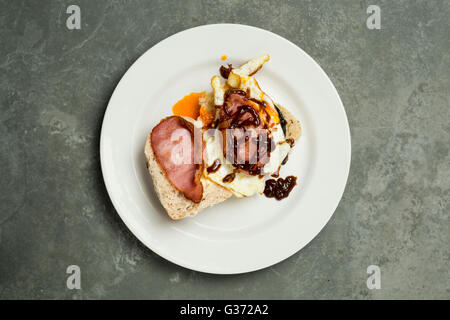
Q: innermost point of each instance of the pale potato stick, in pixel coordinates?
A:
(252, 66)
(218, 90)
(234, 80)
(247, 69)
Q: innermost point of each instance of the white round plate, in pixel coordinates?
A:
(238, 235)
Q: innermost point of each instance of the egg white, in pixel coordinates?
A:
(243, 185)
(280, 152)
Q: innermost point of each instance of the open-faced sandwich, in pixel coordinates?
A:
(230, 142)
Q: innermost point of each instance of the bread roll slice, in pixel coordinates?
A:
(175, 203)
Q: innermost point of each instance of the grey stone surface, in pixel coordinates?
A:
(55, 211)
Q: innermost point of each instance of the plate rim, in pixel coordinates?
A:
(126, 219)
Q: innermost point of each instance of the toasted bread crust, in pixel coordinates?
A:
(293, 127)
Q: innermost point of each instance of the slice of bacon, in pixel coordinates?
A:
(172, 141)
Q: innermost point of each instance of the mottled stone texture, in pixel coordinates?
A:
(55, 211)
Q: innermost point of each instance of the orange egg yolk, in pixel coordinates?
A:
(188, 106)
(224, 57)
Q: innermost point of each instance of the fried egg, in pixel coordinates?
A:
(242, 184)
